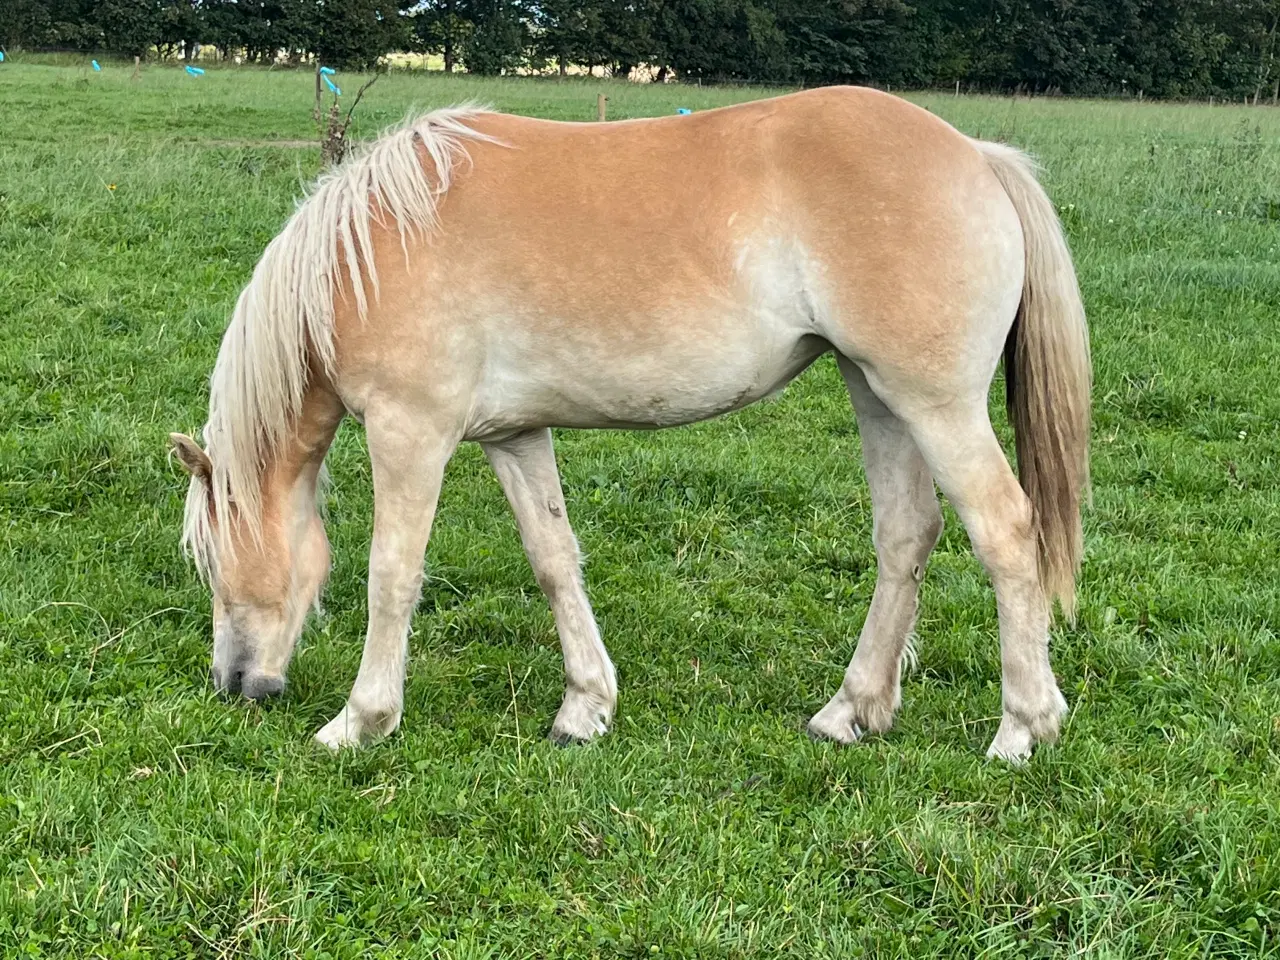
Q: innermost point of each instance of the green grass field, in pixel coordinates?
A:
(730, 564)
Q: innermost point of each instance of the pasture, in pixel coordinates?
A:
(730, 565)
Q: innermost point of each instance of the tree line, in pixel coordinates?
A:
(1167, 48)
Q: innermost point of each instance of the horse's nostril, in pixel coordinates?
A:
(227, 681)
(258, 687)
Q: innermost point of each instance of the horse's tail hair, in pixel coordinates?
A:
(1048, 379)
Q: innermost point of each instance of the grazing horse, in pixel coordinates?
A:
(477, 276)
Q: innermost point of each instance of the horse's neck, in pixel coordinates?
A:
(294, 471)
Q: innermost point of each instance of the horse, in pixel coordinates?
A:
(476, 276)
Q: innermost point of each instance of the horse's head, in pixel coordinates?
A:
(265, 566)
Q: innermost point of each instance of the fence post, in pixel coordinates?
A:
(601, 100)
(137, 68)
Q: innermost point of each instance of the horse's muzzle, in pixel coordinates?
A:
(255, 686)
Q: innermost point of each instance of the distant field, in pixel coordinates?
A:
(730, 564)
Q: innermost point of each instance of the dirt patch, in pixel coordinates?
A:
(292, 144)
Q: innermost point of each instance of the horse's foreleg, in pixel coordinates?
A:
(907, 524)
(408, 467)
(526, 467)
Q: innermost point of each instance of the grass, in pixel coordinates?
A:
(730, 564)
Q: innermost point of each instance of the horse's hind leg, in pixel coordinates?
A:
(907, 524)
(526, 467)
(957, 441)
(408, 468)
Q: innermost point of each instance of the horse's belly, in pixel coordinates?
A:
(588, 384)
(604, 355)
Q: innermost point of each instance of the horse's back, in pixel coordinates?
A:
(662, 270)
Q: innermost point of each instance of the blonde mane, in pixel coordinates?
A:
(282, 326)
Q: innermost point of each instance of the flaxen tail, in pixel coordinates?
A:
(1048, 378)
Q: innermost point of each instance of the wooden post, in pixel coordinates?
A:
(137, 68)
(957, 88)
(601, 100)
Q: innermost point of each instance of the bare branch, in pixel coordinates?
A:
(359, 93)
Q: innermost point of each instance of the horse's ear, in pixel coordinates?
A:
(194, 460)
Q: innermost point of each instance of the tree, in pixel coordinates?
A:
(625, 35)
(130, 27)
(497, 43)
(224, 25)
(706, 38)
(440, 27)
(25, 22)
(1248, 61)
(1168, 48)
(850, 41)
(354, 34)
(564, 32)
(181, 25)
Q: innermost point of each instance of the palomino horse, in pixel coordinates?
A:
(475, 276)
